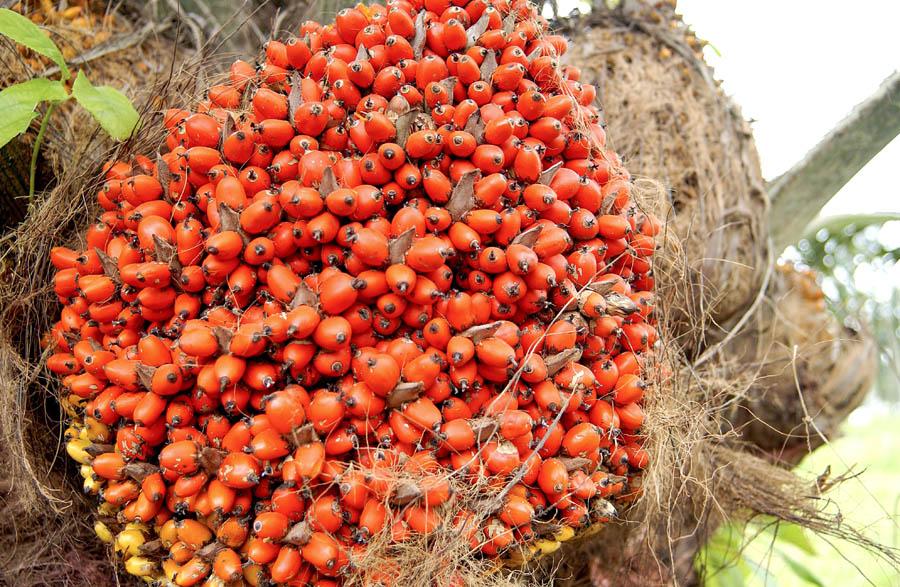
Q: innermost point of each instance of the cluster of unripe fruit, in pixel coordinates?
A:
(393, 257)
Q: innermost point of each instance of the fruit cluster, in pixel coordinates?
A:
(393, 256)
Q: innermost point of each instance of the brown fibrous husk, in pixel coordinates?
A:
(810, 369)
(670, 121)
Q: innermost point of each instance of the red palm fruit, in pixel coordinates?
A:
(337, 293)
(373, 517)
(333, 333)
(553, 478)
(233, 531)
(309, 460)
(260, 551)
(631, 416)
(325, 410)
(502, 458)
(269, 445)
(421, 519)
(371, 247)
(629, 388)
(516, 511)
(182, 457)
(286, 565)
(458, 435)
(603, 416)
(427, 254)
(514, 423)
(422, 412)
(270, 525)
(282, 282)
(460, 350)
(495, 352)
(227, 565)
(323, 552)
(379, 371)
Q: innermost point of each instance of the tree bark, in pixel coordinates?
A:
(799, 194)
(15, 162)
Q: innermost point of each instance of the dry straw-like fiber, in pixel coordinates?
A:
(670, 122)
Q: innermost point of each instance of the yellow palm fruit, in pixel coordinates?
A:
(83, 434)
(170, 568)
(564, 533)
(76, 450)
(103, 532)
(71, 432)
(92, 485)
(72, 404)
(97, 431)
(139, 526)
(168, 533)
(141, 566)
(548, 546)
(107, 509)
(129, 542)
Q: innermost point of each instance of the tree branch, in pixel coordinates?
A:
(799, 194)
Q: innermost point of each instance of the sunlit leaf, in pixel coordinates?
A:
(802, 571)
(796, 536)
(23, 31)
(18, 103)
(110, 107)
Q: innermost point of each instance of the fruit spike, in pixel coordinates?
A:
(393, 260)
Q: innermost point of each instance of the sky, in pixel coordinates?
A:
(797, 67)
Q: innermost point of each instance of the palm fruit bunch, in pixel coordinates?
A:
(392, 259)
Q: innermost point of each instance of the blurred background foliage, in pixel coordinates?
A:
(857, 257)
(858, 261)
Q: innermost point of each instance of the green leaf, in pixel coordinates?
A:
(110, 107)
(802, 571)
(18, 103)
(14, 122)
(23, 31)
(735, 573)
(796, 536)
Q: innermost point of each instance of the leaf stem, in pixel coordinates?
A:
(36, 150)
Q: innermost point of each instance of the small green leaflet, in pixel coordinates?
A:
(732, 573)
(795, 535)
(23, 31)
(802, 571)
(108, 106)
(18, 103)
